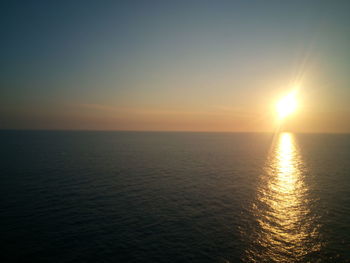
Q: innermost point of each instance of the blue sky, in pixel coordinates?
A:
(173, 65)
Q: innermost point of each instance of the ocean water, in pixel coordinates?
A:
(174, 197)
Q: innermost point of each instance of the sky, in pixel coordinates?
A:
(174, 65)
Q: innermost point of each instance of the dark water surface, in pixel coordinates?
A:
(174, 197)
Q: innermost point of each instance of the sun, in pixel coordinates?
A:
(287, 105)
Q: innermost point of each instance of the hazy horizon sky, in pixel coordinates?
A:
(174, 65)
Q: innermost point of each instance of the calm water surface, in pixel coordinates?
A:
(174, 197)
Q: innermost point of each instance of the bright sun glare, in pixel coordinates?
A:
(287, 105)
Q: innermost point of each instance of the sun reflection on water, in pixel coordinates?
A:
(286, 230)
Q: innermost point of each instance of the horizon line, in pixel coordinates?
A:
(163, 131)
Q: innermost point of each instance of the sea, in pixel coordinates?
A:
(93, 196)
